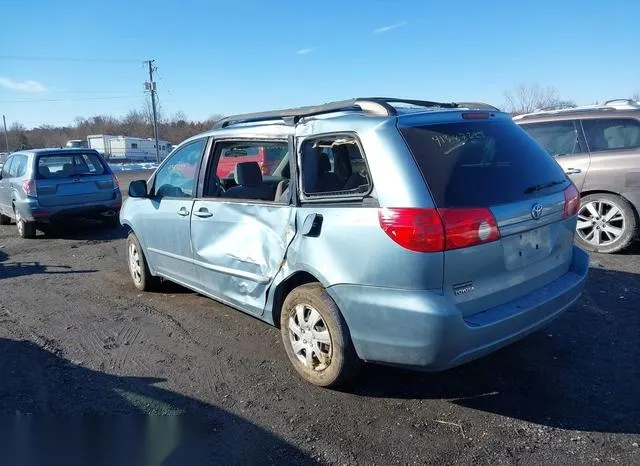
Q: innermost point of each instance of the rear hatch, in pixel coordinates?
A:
(66, 179)
(507, 208)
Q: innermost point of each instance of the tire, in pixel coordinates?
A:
(138, 267)
(607, 223)
(329, 359)
(26, 230)
(5, 220)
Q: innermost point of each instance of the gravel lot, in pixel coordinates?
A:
(77, 338)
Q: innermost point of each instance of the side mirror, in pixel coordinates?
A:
(138, 188)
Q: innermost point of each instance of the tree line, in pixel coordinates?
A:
(136, 123)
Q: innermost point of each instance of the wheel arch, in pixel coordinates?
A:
(282, 289)
(590, 192)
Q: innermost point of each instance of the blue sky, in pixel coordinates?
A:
(226, 57)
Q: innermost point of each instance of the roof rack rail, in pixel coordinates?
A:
(630, 102)
(477, 106)
(371, 105)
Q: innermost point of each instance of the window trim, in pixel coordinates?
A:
(304, 198)
(612, 117)
(212, 162)
(151, 184)
(6, 166)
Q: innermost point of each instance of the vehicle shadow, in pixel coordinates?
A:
(19, 269)
(53, 411)
(82, 229)
(578, 373)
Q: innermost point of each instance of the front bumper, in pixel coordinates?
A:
(425, 330)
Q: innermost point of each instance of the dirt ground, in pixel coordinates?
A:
(77, 341)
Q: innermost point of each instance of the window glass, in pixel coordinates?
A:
(19, 166)
(6, 169)
(612, 133)
(334, 166)
(481, 163)
(69, 165)
(134, 145)
(268, 157)
(177, 177)
(557, 137)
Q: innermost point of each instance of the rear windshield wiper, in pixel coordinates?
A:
(540, 187)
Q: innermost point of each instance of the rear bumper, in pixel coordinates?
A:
(31, 210)
(425, 330)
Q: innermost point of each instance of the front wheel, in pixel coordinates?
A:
(138, 267)
(606, 223)
(316, 337)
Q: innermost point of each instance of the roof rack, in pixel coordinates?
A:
(609, 105)
(371, 105)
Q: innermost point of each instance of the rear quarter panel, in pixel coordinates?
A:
(616, 171)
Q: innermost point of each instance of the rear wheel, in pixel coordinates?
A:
(316, 337)
(606, 223)
(138, 268)
(26, 229)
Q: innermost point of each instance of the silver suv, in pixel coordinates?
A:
(599, 148)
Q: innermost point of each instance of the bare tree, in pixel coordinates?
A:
(526, 98)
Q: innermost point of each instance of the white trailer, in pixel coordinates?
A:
(121, 148)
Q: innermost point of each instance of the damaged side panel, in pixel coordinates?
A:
(238, 249)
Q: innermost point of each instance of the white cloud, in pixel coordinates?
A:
(306, 50)
(390, 27)
(22, 86)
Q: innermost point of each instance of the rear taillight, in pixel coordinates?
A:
(418, 230)
(433, 230)
(571, 201)
(29, 188)
(468, 227)
(116, 182)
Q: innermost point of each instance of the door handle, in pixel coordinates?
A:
(183, 212)
(203, 213)
(572, 171)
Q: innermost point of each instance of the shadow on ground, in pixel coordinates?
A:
(82, 229)
(580, 372)
(20, 269)
(56, 412)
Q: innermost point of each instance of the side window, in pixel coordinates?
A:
(249, 170)
(334, 166)
(557, 137)
(612, 133)
(19, 166)
(6, 168)
(177, 177)
(266, 155)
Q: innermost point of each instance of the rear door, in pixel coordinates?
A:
(5, 186)
(239, 243)
(491, 165)
(73, 178)
(564, 140)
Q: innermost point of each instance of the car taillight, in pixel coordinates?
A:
(418, 230)
(468, 227)
(29, 188)
(434, 230)
(116, 182)
(571, 201)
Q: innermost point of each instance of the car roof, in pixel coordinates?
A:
(54, 150)
(610, 109)
(351, 114)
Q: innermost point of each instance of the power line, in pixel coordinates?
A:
(69, 100)
(71, 59)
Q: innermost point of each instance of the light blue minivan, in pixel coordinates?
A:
(403, 232)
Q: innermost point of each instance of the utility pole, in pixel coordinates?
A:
(6, 137)
(151, 87)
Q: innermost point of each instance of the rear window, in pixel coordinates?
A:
(70, 165)
(482, 163)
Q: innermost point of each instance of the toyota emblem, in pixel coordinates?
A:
(536, 211)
